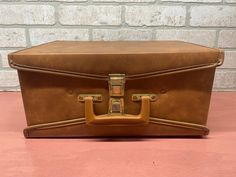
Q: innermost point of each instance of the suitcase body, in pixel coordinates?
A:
(116, 89)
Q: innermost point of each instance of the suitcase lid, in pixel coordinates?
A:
(98, 59)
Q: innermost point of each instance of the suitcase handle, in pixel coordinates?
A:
(111, 119)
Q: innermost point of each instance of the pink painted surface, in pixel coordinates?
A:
(214, 156)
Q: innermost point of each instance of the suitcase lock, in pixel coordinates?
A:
(116, 91)
(116, 115)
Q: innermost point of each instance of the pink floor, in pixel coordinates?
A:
(214, 156)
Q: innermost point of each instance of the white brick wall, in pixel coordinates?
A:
(12, 37)
(39, 36)
(8, 78)
(199, 1)
(124, 0)
(213, 16)
(225, 79)
(27, 14)
(202, 37)
(155, 15)
(25, 23)
(230, 57)
(227, 38)
(89, 15)
(4, 59)
(121, 34)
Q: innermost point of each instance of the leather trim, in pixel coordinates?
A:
(152, 120)
(101, 77)
(220, 57)
(179, 124)
(95, 60)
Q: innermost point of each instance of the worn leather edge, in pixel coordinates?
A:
(219, 61)
(52, 125)
(221, 57)
(158, 121)
(179, 124)
(100, 77)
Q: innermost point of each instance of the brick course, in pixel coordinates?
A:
(25, 23)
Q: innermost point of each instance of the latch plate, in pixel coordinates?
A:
(96, 97)
(138, 97)
(116, 85)
(116, 105)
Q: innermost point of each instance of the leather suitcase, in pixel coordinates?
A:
(116, 89)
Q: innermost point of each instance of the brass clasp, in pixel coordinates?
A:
(116, 105)
(116, 85)
(96, 97)
(138, 97)
(116, 90)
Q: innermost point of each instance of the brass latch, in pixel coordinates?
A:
(116, 90)
(116, 105)
(116, 85)
(138, 97)
(116, 114)
(96, 97)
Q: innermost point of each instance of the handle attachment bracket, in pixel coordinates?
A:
(116, 113)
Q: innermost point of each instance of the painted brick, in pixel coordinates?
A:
(197, 1)
(155, 15)
(213, 16)
(124, 1)
(227, 39)
(12, 37)
(4, 58)
(230, 1)
(121, 34)
(8, 78)
(27, 14)
(106, 24)
(89, 15)
(38, 36)
(230, 59)
(59, 0)
(202, 37)
(225, 79)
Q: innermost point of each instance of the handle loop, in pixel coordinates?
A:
(113, 119)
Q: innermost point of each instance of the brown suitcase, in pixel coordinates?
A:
(116, 89)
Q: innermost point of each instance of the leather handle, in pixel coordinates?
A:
(111, 119)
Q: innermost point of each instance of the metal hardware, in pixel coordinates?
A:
(96, 97)
(116, 89)
(116, 105)
(138, 97)
(116, 84)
